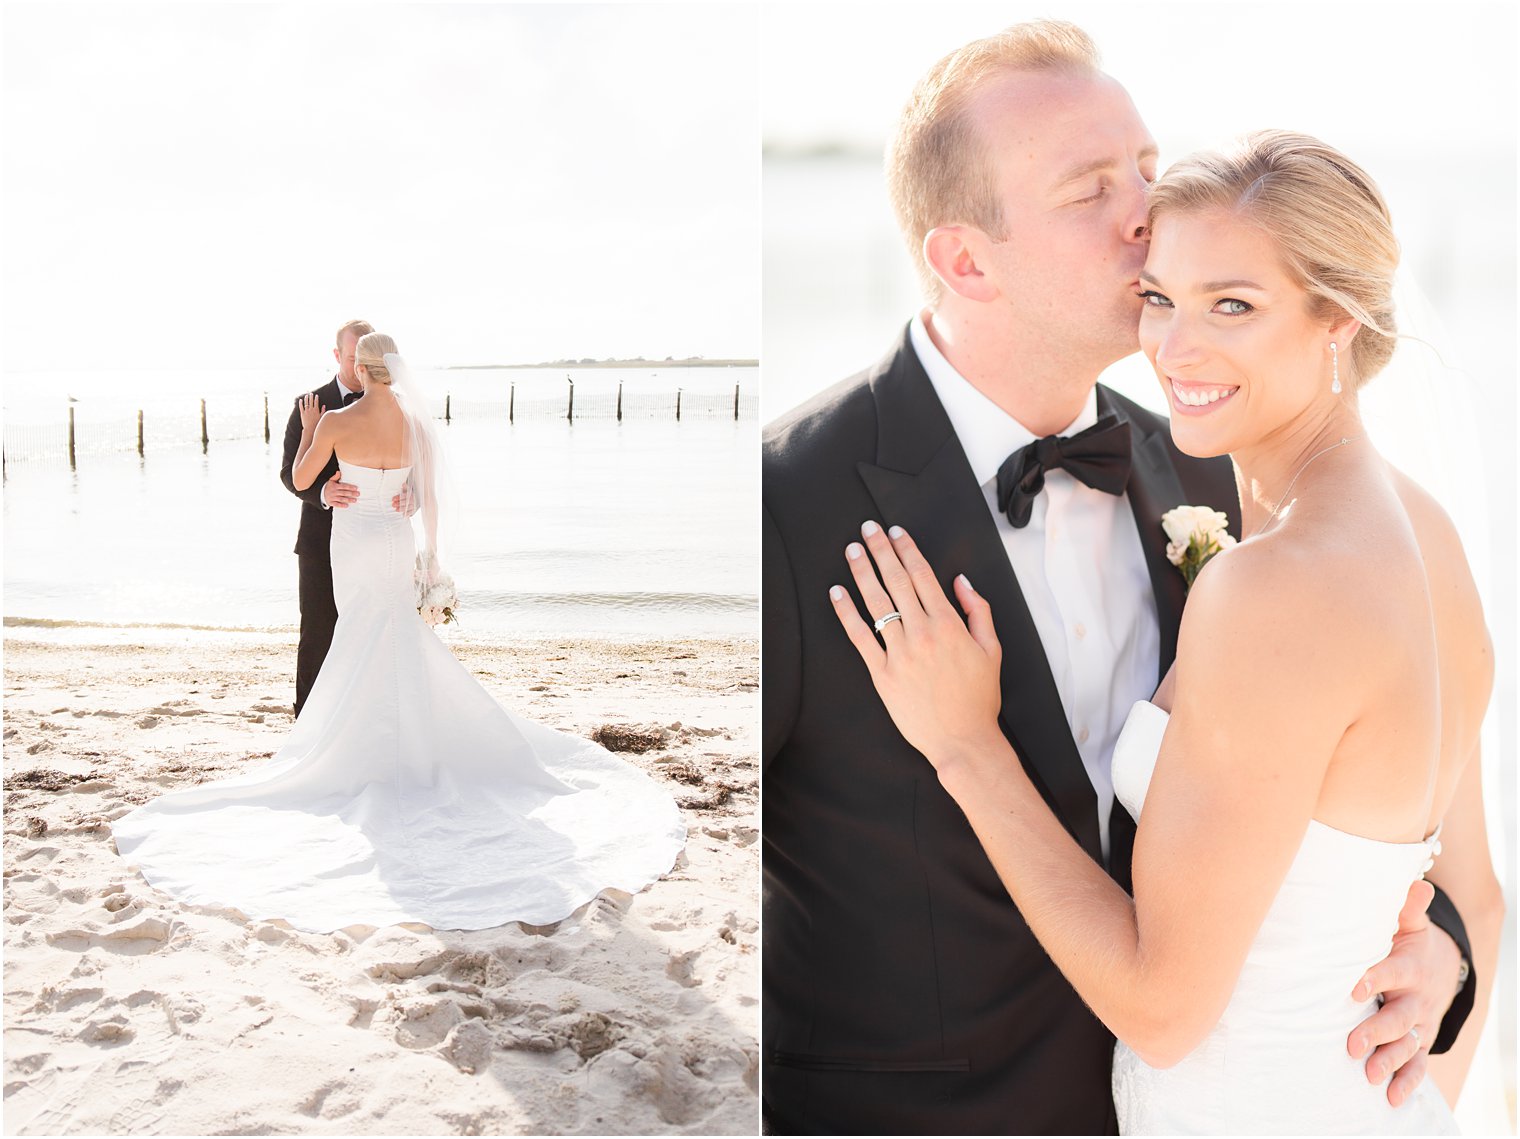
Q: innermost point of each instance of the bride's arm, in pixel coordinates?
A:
(1226, 812)
(316, 446)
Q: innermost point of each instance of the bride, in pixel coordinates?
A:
(404, 792)
(1292, 773)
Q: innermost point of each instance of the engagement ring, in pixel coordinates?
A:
(882, 622)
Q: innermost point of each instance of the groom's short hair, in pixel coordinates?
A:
(357, 327)
(938, 172)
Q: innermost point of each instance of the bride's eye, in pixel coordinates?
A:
(1231, 307)
(1154, 299)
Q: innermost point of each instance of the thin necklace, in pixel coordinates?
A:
(1344, 440)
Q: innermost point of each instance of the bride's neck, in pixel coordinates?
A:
(1267, 471)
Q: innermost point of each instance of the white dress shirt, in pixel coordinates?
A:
(1081, 568)
(344, 392)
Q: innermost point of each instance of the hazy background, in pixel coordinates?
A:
(221, 185)
(1422, 95)
(198, 195)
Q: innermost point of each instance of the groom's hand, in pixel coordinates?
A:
(1417, 980)
(405, 502)
(339, 494)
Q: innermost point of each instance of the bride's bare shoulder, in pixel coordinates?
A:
(1276, 594)
(1454, 596)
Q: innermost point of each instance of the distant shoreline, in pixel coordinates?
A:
(689, 362)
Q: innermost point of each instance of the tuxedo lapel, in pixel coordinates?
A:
(330, 395)
(1153, 489)
(923, 482)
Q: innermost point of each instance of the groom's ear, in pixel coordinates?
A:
(950, 251)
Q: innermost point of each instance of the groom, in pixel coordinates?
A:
(319, 614)
(903, 992)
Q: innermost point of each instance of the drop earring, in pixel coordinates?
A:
(1335, 369)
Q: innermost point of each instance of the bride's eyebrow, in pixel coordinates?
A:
(1210, 286)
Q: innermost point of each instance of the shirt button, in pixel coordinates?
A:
(1082, 736)
(1080, 630)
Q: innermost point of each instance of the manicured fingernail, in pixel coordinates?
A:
(854, 550)
(836, 592)
(1376, 1072)
(896, 532)
(1363, 991)
(964, 580)
(1359, 1047)
(869, 529)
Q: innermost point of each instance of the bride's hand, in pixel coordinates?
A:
(311, 411)
(938, 679)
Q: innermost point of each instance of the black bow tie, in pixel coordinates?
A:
(1098, 456)
(349, 397)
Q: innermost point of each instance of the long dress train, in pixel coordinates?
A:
(404, 792)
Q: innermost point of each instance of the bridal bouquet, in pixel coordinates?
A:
(437, 599)
(1194, 535)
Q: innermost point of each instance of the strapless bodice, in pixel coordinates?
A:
(377, 486)
(1277, 1059)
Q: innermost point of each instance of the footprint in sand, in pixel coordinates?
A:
(468, 1047)
(426, 1023)
(330, 1101)
(111, 1031)
(141, 933)
(148, 722)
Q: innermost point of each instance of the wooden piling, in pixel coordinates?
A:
(570, 412)
(205, 435)
(512, 404)
(678, 405)
(73, 464)
(446, 408)
(736, 403)
(266, 420)
(620, 401)
(140, 433)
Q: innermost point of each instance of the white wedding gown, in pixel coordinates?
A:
(404, 792)
(1276, 1062)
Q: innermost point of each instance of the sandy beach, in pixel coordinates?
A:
(127, 1012)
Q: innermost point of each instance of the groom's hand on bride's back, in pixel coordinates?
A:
(405, 502)
(1416, 981)
(339, 494)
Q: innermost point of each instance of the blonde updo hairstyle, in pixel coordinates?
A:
(371, 351)
(1325, 214)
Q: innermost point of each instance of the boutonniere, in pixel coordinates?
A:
(1194, 535)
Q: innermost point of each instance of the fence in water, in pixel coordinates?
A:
(89, 430)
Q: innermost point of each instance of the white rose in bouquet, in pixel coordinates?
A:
(436, 603)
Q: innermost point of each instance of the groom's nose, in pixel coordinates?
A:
(1135, 214)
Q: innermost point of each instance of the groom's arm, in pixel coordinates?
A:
(313, 493)
(1443, 915)
(780, 642)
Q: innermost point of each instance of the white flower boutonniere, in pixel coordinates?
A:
(1194, 535)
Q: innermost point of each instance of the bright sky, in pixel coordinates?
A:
(218, 185)
(1373, 72)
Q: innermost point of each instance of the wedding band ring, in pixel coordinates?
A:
(882, 622)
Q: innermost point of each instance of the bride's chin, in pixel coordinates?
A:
(1198, 444)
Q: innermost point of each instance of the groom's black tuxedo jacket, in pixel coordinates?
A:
(315, 534)
(903, 991)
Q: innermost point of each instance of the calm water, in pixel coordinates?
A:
(645, 528)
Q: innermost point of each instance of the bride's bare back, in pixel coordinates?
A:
(1399, 614)
(370, 432)
(1416, 627)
